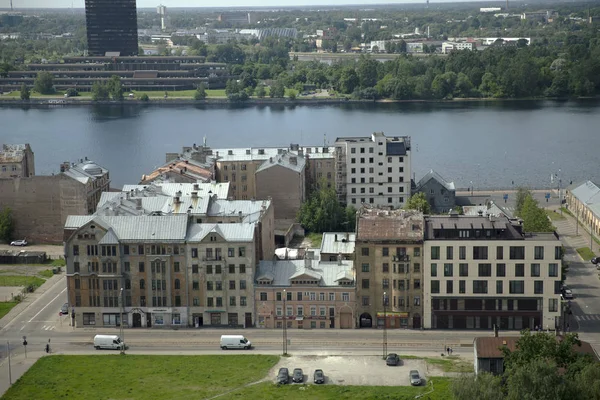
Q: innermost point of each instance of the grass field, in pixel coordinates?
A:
(555, 215)
(267, 390)
(6, 306)
(315, 239)
(18, 280)
(46, 273)
(138, 377)
(586, 253)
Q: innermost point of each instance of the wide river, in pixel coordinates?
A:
(491, 144)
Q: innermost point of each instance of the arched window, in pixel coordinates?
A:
(142, 284)
(127, 284)
(177, 284)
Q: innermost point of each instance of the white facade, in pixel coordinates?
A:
(380, 44)
(474, 282)
(373, 170)
(489, 9)
(447, 47)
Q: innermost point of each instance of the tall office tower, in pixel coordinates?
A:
(162, 11)
(111, 27)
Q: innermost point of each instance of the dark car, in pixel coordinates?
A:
(298, 376)
(415, 378)
(392, 359)
(595, 260)
(283, 377)
(319, 376)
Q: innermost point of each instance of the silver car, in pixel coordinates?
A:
(415, 378)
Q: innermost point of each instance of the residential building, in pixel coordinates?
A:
(16, 161)
(485, 271)
(487, 209)
(373, 170)
(493, 40)
(388, 265)
(338, 244)
(327, 34)
(448, 47)
(440, 193)
(41, 204)
(305, 294)
(241, 18)
(583, 201)
(111, 27)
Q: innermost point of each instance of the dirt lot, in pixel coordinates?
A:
(359, 371)
(51, 250)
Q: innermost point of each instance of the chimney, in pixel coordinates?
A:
(138, 204)
(177, 201)
(480, 212)
(271, 160)
(196, 186)
(307, 261)
(194, 195)
(336, 239)
(495, 330)
(340, 258)
(293, 160)
(240, 215)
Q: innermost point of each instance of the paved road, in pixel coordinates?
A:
(481, 197)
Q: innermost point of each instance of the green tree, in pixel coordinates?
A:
(44, 83)
(537, 379)
(418, 202)
(115, 88)
(144, 97)
(367, 72)
(25, 94)
(100, 92)
(484, 386)
(534, 217)
(541, 345)
(520, 197)
(322, 212)
(72, 92)
(348, 81)
(277, 89)
(260, 91)
(292, 94)
(7, 225)
(200, 93)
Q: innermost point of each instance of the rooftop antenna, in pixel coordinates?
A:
(324, 140)
(11, 6)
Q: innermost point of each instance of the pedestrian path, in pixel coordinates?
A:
(588, 317)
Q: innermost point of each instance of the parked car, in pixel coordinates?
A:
(319, 376)
(64, 309)
(567, 294)
(298, 376)
(392, 359)
(21, 242)
(595, 260)
(415, 378)
(283, 377)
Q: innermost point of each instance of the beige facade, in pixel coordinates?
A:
(484, 271)
(388, 263)
(583, 201)
(16, 161)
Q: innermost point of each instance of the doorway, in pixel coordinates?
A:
(137, 320)
(149, 320)
(248, 322)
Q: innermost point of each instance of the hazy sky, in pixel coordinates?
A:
(210, 3)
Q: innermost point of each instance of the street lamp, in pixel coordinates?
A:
(384, 325)
(471, 188)
(284, 345)
(121, 324)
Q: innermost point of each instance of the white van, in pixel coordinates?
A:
(110, 342)
(235, 342)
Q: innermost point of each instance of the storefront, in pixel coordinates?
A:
(392, 320)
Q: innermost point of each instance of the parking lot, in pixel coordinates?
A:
(359, 371)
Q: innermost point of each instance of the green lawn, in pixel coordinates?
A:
(315, 239)
(586, 253)
(21, 280)
(555, 215)
(138, 377)
(46, 273)
(6, 306)
(268, 390)
(188, 94)
(451, 364)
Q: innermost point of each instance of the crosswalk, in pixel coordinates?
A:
(588, 317)
(48, 327)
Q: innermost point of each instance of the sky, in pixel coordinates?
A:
(213, 3)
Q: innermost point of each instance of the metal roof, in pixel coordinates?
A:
(232, 232)
(249, 210)
(286, 160)
(434, 175)
(186, 189)
(264, 153)
(338, 242)
(138, 228)
(328, 273)
(587, 192)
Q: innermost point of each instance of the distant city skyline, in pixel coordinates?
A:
(20, 4)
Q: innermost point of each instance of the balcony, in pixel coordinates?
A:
(401, 257)
(216, 257)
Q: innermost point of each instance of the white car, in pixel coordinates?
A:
(568, 294)
(22, 242)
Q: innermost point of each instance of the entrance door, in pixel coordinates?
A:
(346, 320)
(366, 321)
(417, 321)
(232, 319)
(149, 320)
(137, 320)
(248, 323)
(215, 319)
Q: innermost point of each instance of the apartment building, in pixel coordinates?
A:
(448, 47)
(481, 271)
(373, 170)
(388, 265)
(16, 161)
(305, 294)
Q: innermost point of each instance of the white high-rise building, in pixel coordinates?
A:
(373, 170)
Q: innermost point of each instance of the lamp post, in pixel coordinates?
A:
(384, 324)
(471, 188)
(121, 324)
(284, 344)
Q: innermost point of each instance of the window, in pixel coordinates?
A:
(217, 269)
(345, 296)
(417, 252)
(449, 287)
(176, 266)
(520, 270)
(331, 296)
(219, 302)
(552, 305)
(480, 252)
(449, 252)
(210, 302)
(242, 252)
(417, 284)
(517, 252)
(89, 319)
(485, 270)
(365, 267)
(435, 286)
(557, 252)
(463, 269)
(141, 266)
(75, 250)
(231, 252)
(299, 296)
(365, 283)
(417, 301)
(433, 269)
(194, 253)
(385, 283)
(386, 267)
(538, 287)
(232, 301)
(196, 301)
(553, 270)
(385, 252)
(288, 296)
(76, 266)
(231, 285)
(242, 268)
(538, 252)
(263, 296)
(364, 251)
(499, 253)
(194, 268)
(231, 269)
(416, 267)
(435, 252)
(243, 284)
(500, 270)
(300, 311)
(448, 270)
(516, 287)
(535, 269)
(480, 287)
(462, 287)
(196, 285)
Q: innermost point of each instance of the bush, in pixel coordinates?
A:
(72, 92)
(238, 96)
(144, 97)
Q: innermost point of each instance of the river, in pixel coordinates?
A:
(491, 144)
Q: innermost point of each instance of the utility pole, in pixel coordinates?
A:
(9, 369)
(121, 324)
(284, 344)
(384, 325)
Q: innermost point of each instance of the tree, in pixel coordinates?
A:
(520, 197)
(323, 213)
(144, 97)
(260, 91)
(484, 386)
(25, 94)
(44, 83)
(418, 202)
(534, 217)
(200, 93)
(277, 89)
(99, 92)
(7, 225)
(292, 95)
(72, 92)
(538, 379)
(115, 89)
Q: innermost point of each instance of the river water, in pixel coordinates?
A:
(491, 144)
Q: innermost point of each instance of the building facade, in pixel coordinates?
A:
(485, 271)
(305, 294)
(16, 161)
(583, 200)
(440, 194)
(388, 264)
(373, 170)
(111, 27)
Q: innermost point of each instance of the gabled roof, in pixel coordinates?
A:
(136, 228)
(489, 347)
(328, 273)
(587, 192)
(308, 273)
(285, 160)
(437, 177)
(237, 232)
(109, 238)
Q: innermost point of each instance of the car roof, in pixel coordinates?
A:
(297, 369)
(283, 369)
(392, 355)
(413, 371)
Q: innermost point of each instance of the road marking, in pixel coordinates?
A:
(39, 312)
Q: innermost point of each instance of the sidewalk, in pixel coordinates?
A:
(573, 236)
